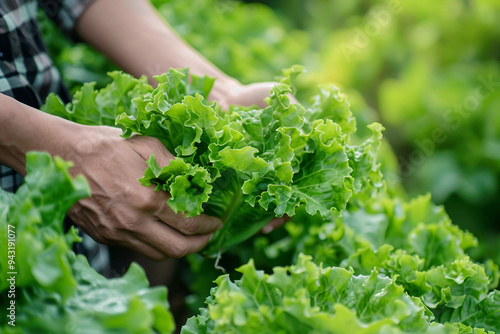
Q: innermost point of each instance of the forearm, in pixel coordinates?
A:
(133, 35)
(24, 129)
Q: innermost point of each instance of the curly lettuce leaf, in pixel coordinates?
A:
(100, 107)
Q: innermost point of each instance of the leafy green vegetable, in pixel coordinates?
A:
(244, 165)
(56, 290)
(306, 298)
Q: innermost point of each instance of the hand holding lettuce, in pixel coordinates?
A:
(244, 165)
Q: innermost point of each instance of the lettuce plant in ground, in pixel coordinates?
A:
(56, 290)
(416, 244)
(245, 165)
(412, 243)
(307, 298)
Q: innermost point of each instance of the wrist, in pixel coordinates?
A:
(24, 129)
(90, 143)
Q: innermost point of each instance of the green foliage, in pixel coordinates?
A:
(55, 290)
(249, 41)
(306, 298)
(416, 244)
(413, 243)
(91, 107)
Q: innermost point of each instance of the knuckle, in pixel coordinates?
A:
(145, 200)
(130, 226)
(158, 145)
(109, 234)
(160, 148)
(189, 226)
(178, 249)
(124, 221)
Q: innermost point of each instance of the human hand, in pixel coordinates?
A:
(123, 212)
(246, 95)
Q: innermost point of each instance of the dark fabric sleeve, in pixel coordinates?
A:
(64, 13)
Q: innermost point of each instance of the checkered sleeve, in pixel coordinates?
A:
(64, 13)
(9, 180)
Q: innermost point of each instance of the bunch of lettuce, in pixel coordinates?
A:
(243, 165)
(307, 298)
(413, 64)
(57, 291)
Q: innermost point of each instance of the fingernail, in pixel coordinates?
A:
(211, 236)
(220, 226)
(267, 229)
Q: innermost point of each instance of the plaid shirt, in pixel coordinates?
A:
(26, 70)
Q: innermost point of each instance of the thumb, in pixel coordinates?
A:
(251, 94)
